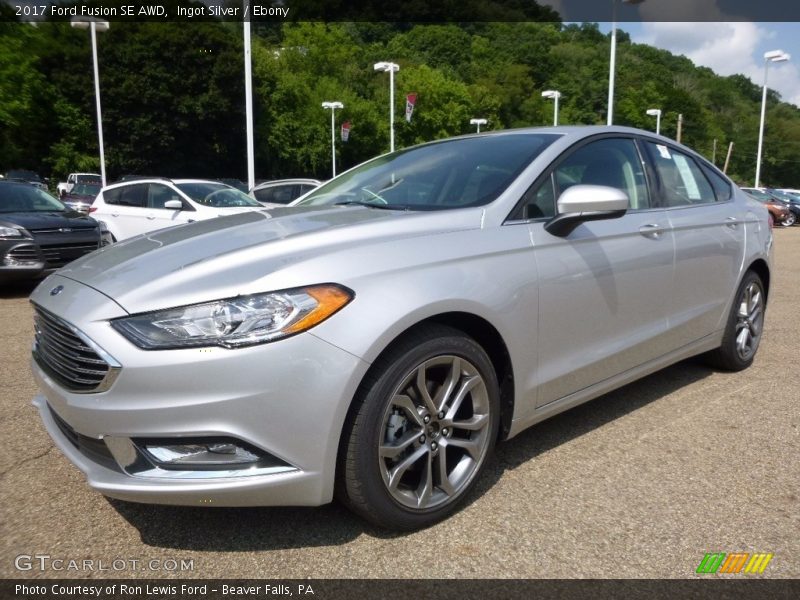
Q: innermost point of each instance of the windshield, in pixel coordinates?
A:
(439, 176)
(217, 195)
(87, 179)
(26, 198)
(85, 189)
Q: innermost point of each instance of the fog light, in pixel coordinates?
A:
(208, 454)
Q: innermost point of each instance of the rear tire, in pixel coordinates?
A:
(421, 430)
(744, 327)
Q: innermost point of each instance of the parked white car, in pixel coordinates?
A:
(142, 205)
(65, 187)
(280, 192)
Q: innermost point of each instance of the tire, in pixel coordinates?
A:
(789, 221)
(744, 328)
(409, 458)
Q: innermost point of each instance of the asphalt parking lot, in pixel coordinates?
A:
(639, 483)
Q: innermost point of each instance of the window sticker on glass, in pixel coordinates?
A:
(692, 191)
(663, 151)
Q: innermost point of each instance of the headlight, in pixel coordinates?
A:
(10, 232)
(235, 322)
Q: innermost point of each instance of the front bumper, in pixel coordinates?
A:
(288, 398)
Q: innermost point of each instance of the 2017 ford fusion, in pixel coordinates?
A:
(377, 340)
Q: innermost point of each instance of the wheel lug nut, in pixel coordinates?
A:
(434, 445)
(441, 415)
(422, 439)
(427, 419)
(444, 431)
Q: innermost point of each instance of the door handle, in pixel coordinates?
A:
(651, 230)
(732, 222)
(114, 214)
(150, 217)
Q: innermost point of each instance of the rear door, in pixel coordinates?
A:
(603, 289)
(124, 214)
(709, 241)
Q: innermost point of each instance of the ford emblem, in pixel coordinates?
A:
(57, 290)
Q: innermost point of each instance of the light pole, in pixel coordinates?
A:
(391, 68)
(656, 112)
(248, 106)
(555, 95)
(95, 25)
(478, 122)
(771, 56)
(612, 67)
(333, 106)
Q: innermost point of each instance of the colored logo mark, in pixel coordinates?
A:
(736, 562)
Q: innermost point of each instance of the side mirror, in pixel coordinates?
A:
(586, 203)
(173, 204)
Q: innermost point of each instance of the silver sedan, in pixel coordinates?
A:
(377, 340)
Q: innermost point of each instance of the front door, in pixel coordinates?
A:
(603, 289)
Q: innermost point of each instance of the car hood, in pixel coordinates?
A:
(47, 220)
(242, 253)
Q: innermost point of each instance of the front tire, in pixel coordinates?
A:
(744, 327)
(789, 221)
(422, 429)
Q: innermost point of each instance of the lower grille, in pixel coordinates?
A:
(58, 256)
(24, 253)
(67, 357)
(92, 448)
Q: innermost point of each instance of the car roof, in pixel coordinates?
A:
(162, 180)
(276, 182)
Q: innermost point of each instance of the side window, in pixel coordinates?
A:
(722, 188)
(129, 195)
(682, 181)
(112, 196)
(612, 162)
(158, 194)
(539, 201)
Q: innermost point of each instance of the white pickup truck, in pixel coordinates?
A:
(65, 187)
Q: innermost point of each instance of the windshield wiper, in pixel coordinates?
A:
(371, 205)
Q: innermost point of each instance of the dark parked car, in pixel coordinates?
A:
(281, 192)
(39, 234)
(81, 196)
(23, 175)
(791, 201)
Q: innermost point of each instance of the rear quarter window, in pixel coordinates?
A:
(131, 195)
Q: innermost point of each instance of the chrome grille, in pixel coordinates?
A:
(61, 229)
(67, 357)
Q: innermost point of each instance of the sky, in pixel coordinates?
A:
(729, 47)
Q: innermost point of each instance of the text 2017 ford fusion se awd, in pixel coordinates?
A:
(377, 339)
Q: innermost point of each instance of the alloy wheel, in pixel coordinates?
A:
(435, 433)
(749, 320)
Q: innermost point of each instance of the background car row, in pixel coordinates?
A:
(783, 205)
(137, 205)
(39, 234)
